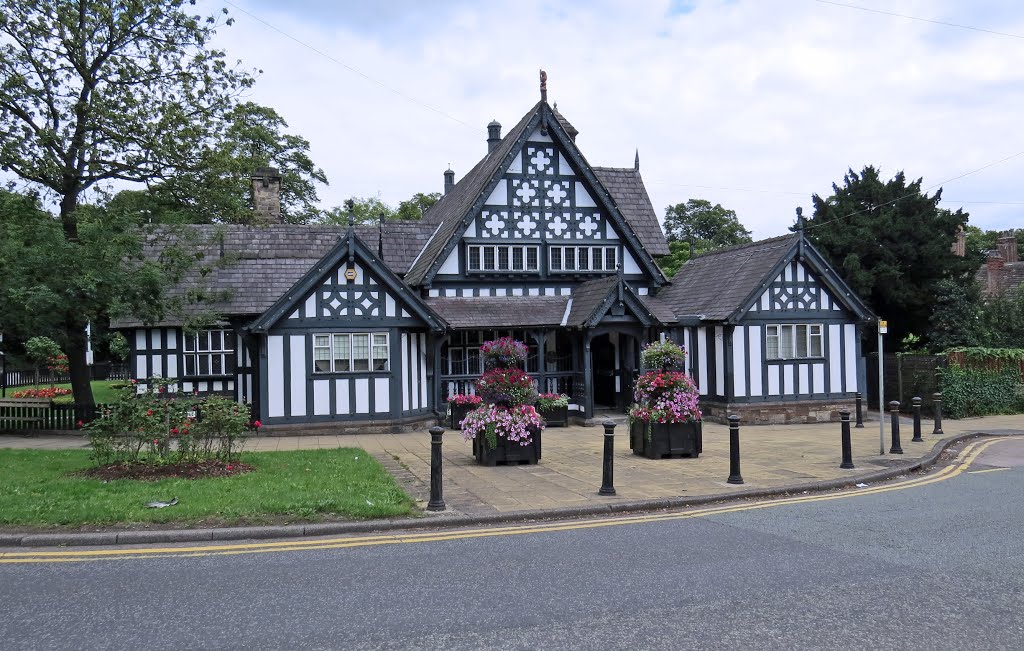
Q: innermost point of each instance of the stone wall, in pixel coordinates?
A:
(777, 413)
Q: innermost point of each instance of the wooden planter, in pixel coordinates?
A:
(556, 416)
(667, 440)
(458, 412)
(507, 452)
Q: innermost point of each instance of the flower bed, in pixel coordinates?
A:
(554, 409)
(52, 392)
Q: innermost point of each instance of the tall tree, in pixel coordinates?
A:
(368, 210)
(707, 226)
(217, 188)
(892, 244)
(697, 227)
(93, 91)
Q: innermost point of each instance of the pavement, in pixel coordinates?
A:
(775, 459)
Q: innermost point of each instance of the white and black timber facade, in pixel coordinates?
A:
(378, 326)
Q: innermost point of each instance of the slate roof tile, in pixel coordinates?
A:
(629, 194)
(500, 311)
(717, 283)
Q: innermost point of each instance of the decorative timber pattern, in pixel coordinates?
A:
(795, 289)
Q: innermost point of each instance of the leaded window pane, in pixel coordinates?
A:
(503, 253)
(556, 258)
(216, 340)
(531, 258)
(611, 258)
(517, 259)
(360, 352)
(786, 341)
(380, 352)
(815, 344)
(772, 342)
(570, 258)
(342, 362)
(190, 364)
(801, 341)
(584, 255)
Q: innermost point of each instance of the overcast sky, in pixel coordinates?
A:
(754, 104)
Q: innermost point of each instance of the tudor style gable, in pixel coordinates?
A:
(535, 210)
(349, 284)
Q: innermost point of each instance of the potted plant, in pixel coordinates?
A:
(554, 409)
(504, 352)
(459, 405)
(663, 355)
(505, 428)
(665, 421)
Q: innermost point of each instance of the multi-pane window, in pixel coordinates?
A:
(209, 352)
(502, 257)
(583, 258)
(349, 352)
(797, 341)
(461, 356)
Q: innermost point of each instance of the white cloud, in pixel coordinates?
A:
(772, 97)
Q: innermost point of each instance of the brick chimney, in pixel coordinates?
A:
(266, 194)
(449, 180)
(493, 135)
(1007, 246)
(994, 263)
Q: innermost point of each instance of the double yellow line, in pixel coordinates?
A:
(969, 455)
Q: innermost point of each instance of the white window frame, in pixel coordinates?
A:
(785, 341)
(581, 258)
(326, 359)
(477, 256)
(198, 348)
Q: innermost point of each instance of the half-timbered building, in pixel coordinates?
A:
(380, 325)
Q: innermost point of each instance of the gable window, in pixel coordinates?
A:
(209, 352)
(346, 352)
(501, 257)
(797, 341)
(583, 258)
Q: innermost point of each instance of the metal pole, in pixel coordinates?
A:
(881, 395)
(860, 410)
(607, 480)
(896, 448)
(844, 418)
(734, 451)
(937, 401)
(436, 502)
(916, 406)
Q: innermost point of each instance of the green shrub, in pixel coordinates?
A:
(968, 391)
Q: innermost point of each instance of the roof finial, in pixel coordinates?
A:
(799, 219)
(636, 161)
(350, 206)
(543, 86)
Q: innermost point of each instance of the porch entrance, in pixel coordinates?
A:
(615, 359)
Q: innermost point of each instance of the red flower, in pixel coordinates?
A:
(174, 430)
(257, 424)
(134, 381)
(156, 441)
(80, 423)
(149, 412)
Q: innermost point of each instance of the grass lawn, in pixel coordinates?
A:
(37, 491)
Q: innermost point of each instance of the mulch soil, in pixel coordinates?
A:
(155, 472)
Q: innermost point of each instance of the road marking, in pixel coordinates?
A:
(964, 460)
(978, 472)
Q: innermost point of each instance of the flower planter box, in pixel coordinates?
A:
(667, 440)
(555, 417)
(458, 412)
(507, 452)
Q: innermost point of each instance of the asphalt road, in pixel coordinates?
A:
(939, 566)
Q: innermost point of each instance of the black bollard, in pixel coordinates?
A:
(436, 502)
(844, 419)
(916, 406)
(607, 482)
(734, 451)
(937, 399)
(860, 410)
(894, 406)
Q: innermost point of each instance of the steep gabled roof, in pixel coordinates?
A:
(353, 248)
(630, 195)
(716, 284)
(722, 284)
(263, 262)
(453, 212)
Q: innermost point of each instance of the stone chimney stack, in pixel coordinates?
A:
(266, 194)
(994, 263)
(493, 135)
(960, 243)
(449, 180)
(1007, 246)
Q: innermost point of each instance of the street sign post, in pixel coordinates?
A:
(883, 327)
